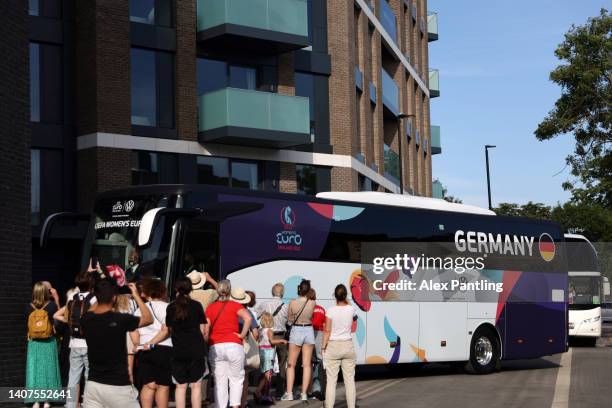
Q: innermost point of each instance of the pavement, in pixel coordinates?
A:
(581, 378)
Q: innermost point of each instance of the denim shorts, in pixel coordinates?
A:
(301, 335)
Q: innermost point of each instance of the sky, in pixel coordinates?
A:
(495, 58)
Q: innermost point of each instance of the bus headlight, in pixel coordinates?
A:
(592, 320)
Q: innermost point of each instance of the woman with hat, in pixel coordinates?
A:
(204, 288)
(224, 337)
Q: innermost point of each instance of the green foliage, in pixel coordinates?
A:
(585, 78)
(531, 209)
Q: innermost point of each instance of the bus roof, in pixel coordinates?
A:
(398, 200)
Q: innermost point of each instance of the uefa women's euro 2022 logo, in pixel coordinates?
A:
(288, 239)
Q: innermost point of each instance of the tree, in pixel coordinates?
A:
(531, 209)
(585, 78)
(450, 198)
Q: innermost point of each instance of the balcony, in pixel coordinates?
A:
(260, 27)
(358, 79)
(413, 11)
(253, 118)
(434, 83)
(390, 93)
(436, 146)
(432, 27)
(437, 190)
(372, 93)
(388, 19)
(391, 168)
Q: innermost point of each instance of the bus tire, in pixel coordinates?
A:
(484, 352)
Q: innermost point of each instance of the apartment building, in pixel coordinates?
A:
(295, 96)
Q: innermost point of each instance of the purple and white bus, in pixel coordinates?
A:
(257, 239)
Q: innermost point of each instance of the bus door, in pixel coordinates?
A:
(199, 248)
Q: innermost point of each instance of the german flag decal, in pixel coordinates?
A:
(547, 247)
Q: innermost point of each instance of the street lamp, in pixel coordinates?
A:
(487, 147)
(400, 136)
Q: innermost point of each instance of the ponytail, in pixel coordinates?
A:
(182, 288)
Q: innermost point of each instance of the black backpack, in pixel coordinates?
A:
(78, 307)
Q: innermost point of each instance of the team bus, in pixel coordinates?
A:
(257, 239)
(586, 288)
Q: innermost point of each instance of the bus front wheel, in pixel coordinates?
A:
(484, 352)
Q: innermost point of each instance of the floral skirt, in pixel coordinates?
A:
(42, 369)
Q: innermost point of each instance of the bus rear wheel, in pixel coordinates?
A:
(484, 352)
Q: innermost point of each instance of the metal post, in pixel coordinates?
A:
(487, 147)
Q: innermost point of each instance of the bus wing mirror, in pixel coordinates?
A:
(606, 287)
(151, 219)
(53, 219)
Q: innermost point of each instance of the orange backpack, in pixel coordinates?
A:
(39, 325)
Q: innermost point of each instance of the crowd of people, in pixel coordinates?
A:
(130, 347)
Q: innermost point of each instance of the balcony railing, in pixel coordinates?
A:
(432, 27)
(372, 93)
(390, 93)
(434, 83)
(436, 146)
(242, 116)
(277, 25)
(358, 78)
(388, 19)
(392, 166)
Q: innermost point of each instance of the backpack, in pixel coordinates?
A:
(78, 307)
(39, 325)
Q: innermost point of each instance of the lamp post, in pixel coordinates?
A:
(487, 147)
(400, 136)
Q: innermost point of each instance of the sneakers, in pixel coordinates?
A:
(304, 396)
(287, 397)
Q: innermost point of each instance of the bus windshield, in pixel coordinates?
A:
(114, 236)
(584, 290)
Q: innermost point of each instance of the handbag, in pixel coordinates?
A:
(289, 326)
(251, 351)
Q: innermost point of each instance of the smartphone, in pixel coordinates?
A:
(94, 261)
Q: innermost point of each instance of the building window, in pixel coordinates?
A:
(213, 170)
(45, 8)
(34, 7)
(213, 75)
(35, 185)
(304, 86)
(145, 168)
(221, 171)
(306, 177)
(47, 181)
(366, 184)
(46, 83)
(152, 77)
(245, 175)
(155, 12)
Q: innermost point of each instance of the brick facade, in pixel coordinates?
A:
(103, 66)
(15, 252)
(288, 182)
(186, 58)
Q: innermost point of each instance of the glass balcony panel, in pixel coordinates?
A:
(388, 19)
(434, 83)
(284, 16)
(432, 27)
(391, 164)
(390, 92)
(248, 109)
(436, 146)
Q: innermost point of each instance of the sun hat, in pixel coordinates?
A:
(197, 279)
(240, 296)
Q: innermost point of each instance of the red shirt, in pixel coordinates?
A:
(318, 318)
(225, 326)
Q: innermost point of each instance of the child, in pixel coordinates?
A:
(266, 356)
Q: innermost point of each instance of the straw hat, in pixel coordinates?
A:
(198, 279)
(240, 296)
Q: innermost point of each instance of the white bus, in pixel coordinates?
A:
(586, 288)
(257, 239)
